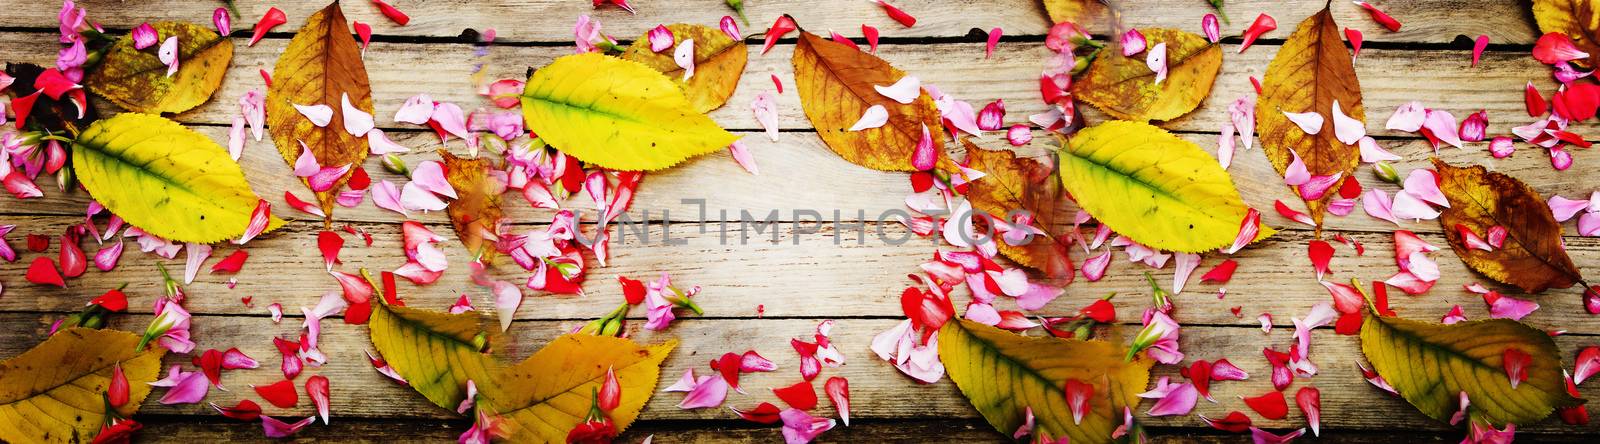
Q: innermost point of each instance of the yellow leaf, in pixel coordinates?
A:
(1125, 87)
(1310, 73)
(1082, 12)
(138, 81)
(320, 66)
(1533, 257)
(55, 392)
(835, 82)
(1014, 183)
(1002, 373)
(1578, 19)
(436, 352)
(165, 179)
(476, 211)
(1153, 187)
(1431, 364)
(545, 396)
(718, 63)
(617, 114)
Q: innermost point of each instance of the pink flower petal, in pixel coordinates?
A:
(1348, 130)
(190, 388)
(1407, 117)
(904, 91)
(1185, 265)
(1156, 60)
(1094, 268)
(988, 50)
(1132, 43)
(1310, 122)
(1502, 147)
(1424, 184)
(387, 196)
(1474, 128)
(319, 115)
(1248, 230)
(1222, 370)
(1225, 146)
(1371, 152)
(1443, 126)
(416, 110)
(429, 175)
(106, 258)
(661, 38)
(730, 28)
(168, 54)
(1409, 207)
(1409, 283)
(144, 36)
(1563, 208)
(274, 428)
(326, 178)
(1586, 365)
(709, 393)
(356, 121)
(1208, 24)
(450, 118)
(198, 253)
(992, 117)
(684, 57)
(1259, 436)
(1243, 114)
(801, 428)
(1506, 307)
(1180, 401)
(875, 116)
(379, 143)
(1318, 186)
(765, 107)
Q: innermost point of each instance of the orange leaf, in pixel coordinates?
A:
(718, 63)
(1125, 87)
(322, 63)
(835, 82)
(1310, 72)
(1019, 183)
(476, 210)
(1532, 257)
(1082, 12)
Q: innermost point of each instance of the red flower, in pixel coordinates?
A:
(118, 432)
(600, 431)
(632, 290)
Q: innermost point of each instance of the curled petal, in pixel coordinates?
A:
(1424, 184)
(1179, 401)
(1407, 117)
(1348, 130)
(875, 116)
(1157, 61)
(356, 121)
(684, 57)
(1291, 214)
(319, 115)
(1248, 230)
(1371, 152)
(1310, 122)
(661, 38)
(1132, 42)
(765, 107)
(988, 50)
(1475, 127)
(1554, 47)
(904, 91)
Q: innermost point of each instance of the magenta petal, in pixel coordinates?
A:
(800, 427)
(1506, 307)
(1094, 268)
(326, 178)
(1179, 401)
(1502, 147)
(144, 36)
(306, 164)
(429, 175)
(106, 258)
(274, 428)
(925, 155)
(1564, 208)
(1587, 365)
(191, 388)
(1132, 42)
(234, 359)
(660, 38)
(706, 394)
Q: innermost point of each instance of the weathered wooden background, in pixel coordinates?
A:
(801, 284)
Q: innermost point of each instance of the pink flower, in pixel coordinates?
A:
(660, 38)
(899, 345)
(144, 36)
(1132, 43)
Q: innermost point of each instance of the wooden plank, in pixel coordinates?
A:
(1442, 79)
(786, 279)
(1434, 21)
(800, 173)
(877, 390)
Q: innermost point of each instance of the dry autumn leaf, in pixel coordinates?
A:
(138, 81)
(1532, 257)
(1311, 72)
(548, 394)
(718, 63)
(1578, 19)
(1125, 87)
(1432, 364)
(1017, 183)
(1003, 373)
(835, 82)
(476, 211)
(1153, 187)
(321, 65)
(1081, 12)
(55, 392)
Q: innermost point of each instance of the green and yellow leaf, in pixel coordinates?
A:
(55, 392)
(320, 66)
(617, 114)
(1125, 87)
(1003, 373)
(1154, 187)
(1533, 257)
(1081, 12)
(476, 210)
(718, 63)
(545, 396)
(1311, 72)
(137, 80)
(835, 83)
(165, 179)
(1431, 364)
(436, 352)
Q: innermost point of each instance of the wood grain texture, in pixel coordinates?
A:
(877, 390)
(1434, 21)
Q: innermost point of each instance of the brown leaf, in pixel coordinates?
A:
(1532, 257)
(835, 82)
(1018, 183)
(1082, 12)
(718, 63)
(138, 81)
(1311, 71)
(1125, 87)
(1578, 19)
(476, 210)
(321, 63)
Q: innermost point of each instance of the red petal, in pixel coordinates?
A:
(358, 313)
(210, 362)
(330, 243)
(1310, 401)
(232, 263)
(73, 262)
(766, 413)
(22, 106)
(1354, 37)
(1199, 373)
(1380, 298)
(247, 410)
(1235, 422)
(113, 300)
(610, 395)
(1262, 25)
(895, 13)
(869, 32)
(317, 390)
(117, 392)
(921, 181)
(393, 14)
(43, 272)
(1101, 311)
(1516, 363)
(356, 289)
(1381, 17)
(728, 365)
(632, 290)
(802, 395)
(281, 393)
(1349, 324)
(359, 180)
(1079, 394)
(1221, 273)
(783, 25)
(1321, 254)
(271, 19)
(1350, 189)
(1534, 101)
(838, 390)
(37, 243)
(1270, 406)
